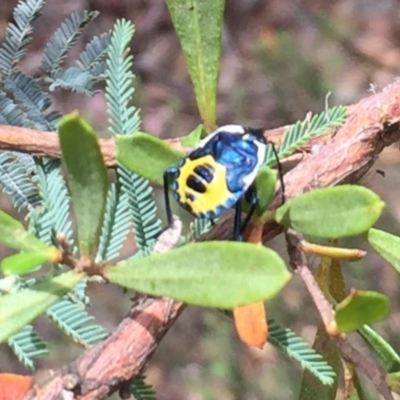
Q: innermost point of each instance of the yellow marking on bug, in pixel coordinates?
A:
(217, 190)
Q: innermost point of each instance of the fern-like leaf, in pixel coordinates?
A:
(124, 119)
(27, 346)
(18, 35)
(93, 56)
(31, 98)
(303, 131)
(9, 113)
(142, 208)
(140, 390)
(64, 38)
(297, 349)
(54, 217)
(73, 79)
(78, 294)
(198, 227)
(16, 180)
(116, 225)
(76, 322)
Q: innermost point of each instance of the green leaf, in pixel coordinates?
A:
(87, 177)
(14, 235)
(20, 308)
(212, 274)
(22, 263)
(386, 245)
(193, 138)
(265, 184)
(359, 308)
(146, 155)
(198, 24)
(335, 212)
(34, 252)
(385, 353)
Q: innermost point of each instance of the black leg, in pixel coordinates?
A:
(251, 197)
(237, 222)
(280, 171)
(168, 211)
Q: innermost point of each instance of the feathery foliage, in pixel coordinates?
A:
(73, 79)
(133, 193)
(93, 56)
(27, 346)
(33, 101)
(64, 38)
(303, 131)
(54, 217)
(124, 119)
(18, 180)
(297, 349)
(36, 185)
(18, 35)
(140, 390)
(198, 227)
(115, 226)
(9, 114)
(74, 321)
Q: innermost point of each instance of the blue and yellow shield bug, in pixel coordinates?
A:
(217, 174)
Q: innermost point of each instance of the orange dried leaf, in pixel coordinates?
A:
(14, 387)
(251, 324)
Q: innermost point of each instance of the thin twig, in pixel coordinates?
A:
(298, 262)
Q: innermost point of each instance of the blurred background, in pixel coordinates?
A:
(280, 59)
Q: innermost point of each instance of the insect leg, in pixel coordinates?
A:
(280, 171)
(237, 222)
(251, 197)
(168, 172)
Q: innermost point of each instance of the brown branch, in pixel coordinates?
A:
(372, 124)
(105, 367)
(41, 143)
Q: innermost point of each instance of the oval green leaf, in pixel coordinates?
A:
(212, 274)
(22, 307)
(359, 308)
(386, 245)
(22, 263)
(198, 24)
(14, 235)
(335, 212)
(146, 155)
(87, 178)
